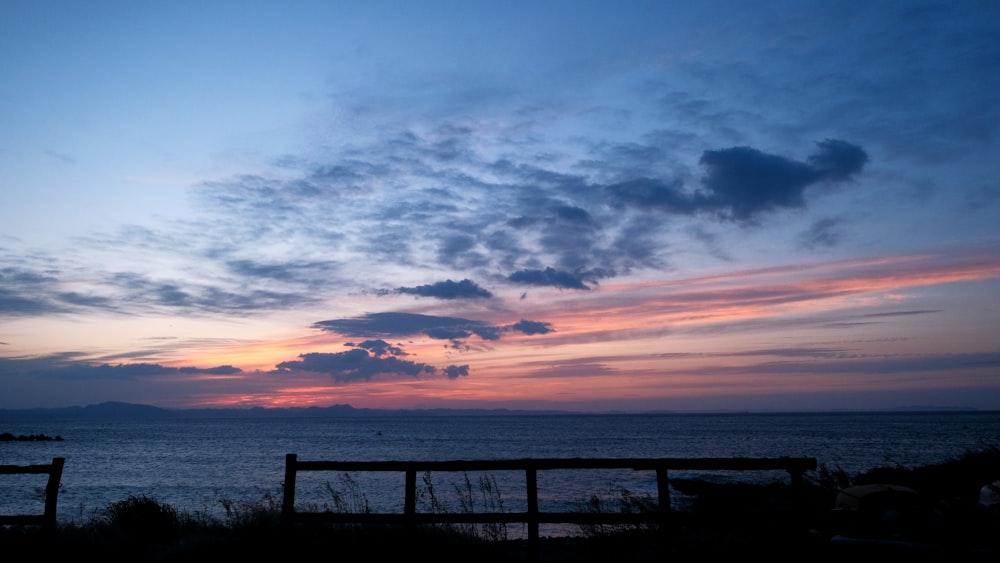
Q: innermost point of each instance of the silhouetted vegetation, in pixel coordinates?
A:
(737, 520)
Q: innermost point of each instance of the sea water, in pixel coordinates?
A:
(200, 465)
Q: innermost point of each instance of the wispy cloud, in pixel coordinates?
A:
(72, 366)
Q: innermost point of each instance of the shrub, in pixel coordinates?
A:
(352, 499)
(252, 515)
(625, 502)
(142, 519)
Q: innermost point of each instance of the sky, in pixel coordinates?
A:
(577, 205)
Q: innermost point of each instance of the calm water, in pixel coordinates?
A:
(193, 463)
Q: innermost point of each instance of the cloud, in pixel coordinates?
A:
(14, 304)
(401, 201)
(353, 365)
(285, 271)
(894, 364)
(823, 232)
(25, 293)
(68, 366)
(408, 324)
(743, 183)
(454, 372)
(838, 161)
(42, 286)
(448, 289)
(377, 325)
(901, 313)
(221, 370)
(379, 348)
(652, 193)
(572, 214)
(367, 360)
(531, 327)
(137, 291)
(559, 278)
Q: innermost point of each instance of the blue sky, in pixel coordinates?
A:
(581, 205)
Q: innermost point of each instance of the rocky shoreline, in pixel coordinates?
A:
(8, 437)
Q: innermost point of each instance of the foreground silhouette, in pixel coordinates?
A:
(937, 516)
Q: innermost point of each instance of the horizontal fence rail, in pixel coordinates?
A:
(795, 466)
(47, 519)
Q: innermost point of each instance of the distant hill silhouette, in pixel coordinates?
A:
(128, 411)
(108, 410)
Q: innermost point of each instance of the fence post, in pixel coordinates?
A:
(663, 490)
(288, 491)
(796, 477)
(663, 504)
(52, 492)
(531, 477)
(410, 498)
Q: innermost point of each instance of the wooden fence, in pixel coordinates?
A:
(795, 466)
(47, 519)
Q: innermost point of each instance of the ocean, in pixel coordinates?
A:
(198, 465)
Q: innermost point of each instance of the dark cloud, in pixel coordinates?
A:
(559, 278)
(379, 348)
(407, 324)
(460, 332)
(743, 183)
(652, 193)
(367, 360)
(81, 300)
(531, 327)
(448, 289)
(377, 325)
(354, 365)
(24, 292)
(68, 366)
(16, 304)
(454, 372)
(221, 370)
(572, 214)
(837, 161)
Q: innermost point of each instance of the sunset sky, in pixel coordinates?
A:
(714, 205)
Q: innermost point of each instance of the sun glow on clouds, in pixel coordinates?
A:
(602, 345)
(749, 295)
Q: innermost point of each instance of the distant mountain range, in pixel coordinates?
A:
(127, 411)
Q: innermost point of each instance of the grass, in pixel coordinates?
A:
(735, 520)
